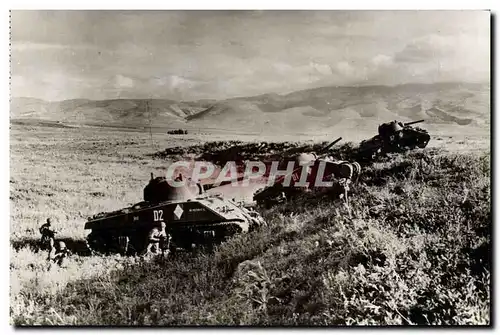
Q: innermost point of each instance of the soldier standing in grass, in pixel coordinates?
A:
(45, 226)
(47, 234)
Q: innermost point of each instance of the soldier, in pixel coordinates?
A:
(165, 240)
(45, 226)
(47, 234)
(61, 254)
(58, 256)
(155, 236)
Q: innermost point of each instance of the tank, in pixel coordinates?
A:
(338, 171)
(191, 217)
(414, 137)
(394, 137)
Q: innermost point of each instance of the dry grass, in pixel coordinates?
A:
(414, 251)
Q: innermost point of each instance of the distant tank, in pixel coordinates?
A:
(394, 137)
(191, 217)
(341, 172)
(177, 132)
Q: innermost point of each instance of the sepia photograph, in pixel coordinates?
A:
(257, 168)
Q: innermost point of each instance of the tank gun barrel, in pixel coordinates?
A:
(325, 149)
(413, 122)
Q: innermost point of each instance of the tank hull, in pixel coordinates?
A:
(322, 174)
(202, 220)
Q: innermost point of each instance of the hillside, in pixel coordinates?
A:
(414, 248)
(350, 108)
(119, 112)
(322, 109)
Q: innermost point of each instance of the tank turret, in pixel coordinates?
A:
(160, 189)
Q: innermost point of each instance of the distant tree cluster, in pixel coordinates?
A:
(177, 132)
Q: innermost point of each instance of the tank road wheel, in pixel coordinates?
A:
(207, 241)
(123, 243)
(97, 244)
(182, 239)
(136, 243)
(230, 229)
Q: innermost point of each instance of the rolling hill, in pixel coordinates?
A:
(315, 110)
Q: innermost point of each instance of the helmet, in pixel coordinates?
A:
(162, 225)
(62, 245)
(49, 221)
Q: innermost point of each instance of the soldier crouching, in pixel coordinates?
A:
(157, 241)
(58, 256)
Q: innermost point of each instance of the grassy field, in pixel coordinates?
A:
(414, 247)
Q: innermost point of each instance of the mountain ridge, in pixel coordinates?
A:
(459, 104)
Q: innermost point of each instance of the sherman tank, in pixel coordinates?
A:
(191, 216)
(340, 172)
(394, 137)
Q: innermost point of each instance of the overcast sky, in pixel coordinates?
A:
(207, 54)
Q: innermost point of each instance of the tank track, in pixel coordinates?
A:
(233, 227)
(91, 250)
(223, 232)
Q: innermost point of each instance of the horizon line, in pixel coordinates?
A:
(274, 93)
